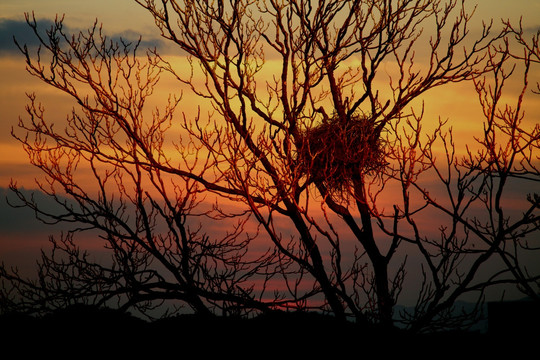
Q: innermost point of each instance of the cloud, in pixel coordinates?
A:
(14, 219)
(11, 29)
(23, 236)
(532, 30)
(146, 42)
(19, 30)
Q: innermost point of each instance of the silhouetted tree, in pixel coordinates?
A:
(308, 119)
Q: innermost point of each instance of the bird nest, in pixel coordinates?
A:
(337, 152)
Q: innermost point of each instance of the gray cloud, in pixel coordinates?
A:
(19, 30)
(22, 236)
(11, 29)
(22, 220)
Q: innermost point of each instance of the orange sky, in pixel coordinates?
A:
(124, 16)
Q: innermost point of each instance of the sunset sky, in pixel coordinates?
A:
(20, 235)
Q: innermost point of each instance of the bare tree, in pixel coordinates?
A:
(312, 117)
(141, 213)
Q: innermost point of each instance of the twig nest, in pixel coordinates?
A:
(338, 151)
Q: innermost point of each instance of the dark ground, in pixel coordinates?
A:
(82, 331)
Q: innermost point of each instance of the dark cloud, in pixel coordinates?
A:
(11, 29)
(532, 30)
(146, 42)
(14, 219)
(22, 236)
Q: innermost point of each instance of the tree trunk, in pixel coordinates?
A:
(317, 264)
(385, 302)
